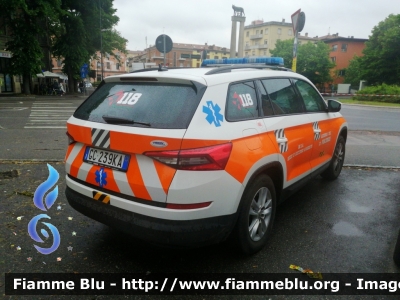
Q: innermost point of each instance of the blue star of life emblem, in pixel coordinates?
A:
(101, 177)
(213, 113)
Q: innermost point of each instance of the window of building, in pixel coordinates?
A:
(253, 53)
(279, 30)
(257, 31)
(117, 66)
(261, 32)
(342, 72)
(247, 34)
(333, 58)
(290, 32)
(265, 42)
(334, 47)
(265, 52)
(266, 31)
(108, 66)
(216, 57)
(59, 62)
(344, 47)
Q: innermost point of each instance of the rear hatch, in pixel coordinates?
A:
(126, 118)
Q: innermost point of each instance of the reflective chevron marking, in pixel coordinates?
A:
(101, 197)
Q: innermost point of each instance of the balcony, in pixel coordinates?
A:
(256, 36)
(262, 46)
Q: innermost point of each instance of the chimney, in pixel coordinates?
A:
(306, 34)
(283, 20)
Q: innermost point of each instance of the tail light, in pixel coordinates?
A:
(199, 159)
(70, 138)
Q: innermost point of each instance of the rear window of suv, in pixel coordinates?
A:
(151, 105)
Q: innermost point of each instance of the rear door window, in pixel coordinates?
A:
(151, 105)
(242, 102)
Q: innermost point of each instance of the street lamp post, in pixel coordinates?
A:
(101, 45)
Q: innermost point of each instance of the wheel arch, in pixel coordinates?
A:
(275, 171)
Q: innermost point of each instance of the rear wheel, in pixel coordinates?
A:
(336, 164)
(257, 215)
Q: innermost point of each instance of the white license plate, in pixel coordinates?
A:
(106, 158)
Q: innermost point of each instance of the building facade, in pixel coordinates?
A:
(8, 83)
(342, 51)
(260, 37)
(185, 55)
(113, 64)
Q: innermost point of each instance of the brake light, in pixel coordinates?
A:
(199, 159)
(70, 138)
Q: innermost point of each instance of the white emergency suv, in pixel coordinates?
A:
(188, 156)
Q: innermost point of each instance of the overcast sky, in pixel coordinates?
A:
(209, 21)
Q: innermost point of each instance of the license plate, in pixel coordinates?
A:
(114, 160)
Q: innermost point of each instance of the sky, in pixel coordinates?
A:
(209, 21)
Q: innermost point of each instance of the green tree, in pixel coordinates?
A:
(28, 21)
(354, 72)
(86, 27)
(381, 60)
(312, 59)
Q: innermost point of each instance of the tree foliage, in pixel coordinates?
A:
(312, 59)
(28, 22)
(381, 60)
(73, 30)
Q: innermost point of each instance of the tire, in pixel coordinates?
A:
(257, 213)
(336, 164)
(396, 253)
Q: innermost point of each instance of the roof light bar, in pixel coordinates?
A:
(274, 61)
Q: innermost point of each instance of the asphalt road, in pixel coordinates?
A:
(348, 225)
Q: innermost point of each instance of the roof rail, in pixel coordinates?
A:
(158, 69)
(228, 68)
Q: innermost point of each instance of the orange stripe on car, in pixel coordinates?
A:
(136, 181)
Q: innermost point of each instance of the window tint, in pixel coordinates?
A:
(242, 102)
(312, 99)
(160, 105)
(283, 96)
(265, 102)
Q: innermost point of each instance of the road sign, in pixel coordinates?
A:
(84, 70)
(298, 21)
(164, 43)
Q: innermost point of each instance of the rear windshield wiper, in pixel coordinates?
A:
(117, 120)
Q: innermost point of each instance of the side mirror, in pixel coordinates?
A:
(334, 106)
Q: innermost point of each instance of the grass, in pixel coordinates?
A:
(373, 103)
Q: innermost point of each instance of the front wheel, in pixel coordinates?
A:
(257, 215)
(336, 164)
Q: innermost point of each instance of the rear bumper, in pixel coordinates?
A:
(181, 233)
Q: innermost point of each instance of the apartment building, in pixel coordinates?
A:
(185, 55)
(342, 51)
(113, 64)
(260, 37)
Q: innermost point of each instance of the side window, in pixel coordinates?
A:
(283, 96)
(242, 102)
(312, 99)
(266, 105)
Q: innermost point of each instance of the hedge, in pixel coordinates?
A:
(379, 93)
